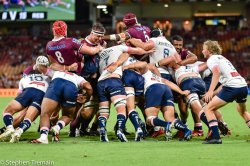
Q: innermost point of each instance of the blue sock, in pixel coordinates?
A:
(25, 125)
(7, 119)
(159, 122)
(61, 124)
(121, 120)
(180, 126)
(198, 126)
(204, 118)
(44, 130)
(102, 121)
(214, 127)
(133, 116)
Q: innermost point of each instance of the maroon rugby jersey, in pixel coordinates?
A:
(139, 32)
(28, 70)
(65, 51)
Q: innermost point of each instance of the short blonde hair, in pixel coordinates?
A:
(213, 47)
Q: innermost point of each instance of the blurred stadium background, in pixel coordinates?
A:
(23, 35)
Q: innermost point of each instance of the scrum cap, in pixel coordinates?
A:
(130, 19)
(60, 28)
(42, 60)
(156, 33)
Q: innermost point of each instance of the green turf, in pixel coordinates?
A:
(59, 12)
(89, 151)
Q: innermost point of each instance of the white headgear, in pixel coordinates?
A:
(42, 60)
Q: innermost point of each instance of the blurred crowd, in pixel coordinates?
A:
(19, 48)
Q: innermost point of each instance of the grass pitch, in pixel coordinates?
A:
(89, 151)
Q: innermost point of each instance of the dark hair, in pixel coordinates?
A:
(111, 43)
(176, 37)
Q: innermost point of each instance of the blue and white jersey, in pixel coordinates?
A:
(77, 80)
(228, 74)
(108, 57)
(38, 81)
(129, 61)
(151, 79)
(188, 69)
(163, 49)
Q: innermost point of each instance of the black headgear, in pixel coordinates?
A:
(156, 33)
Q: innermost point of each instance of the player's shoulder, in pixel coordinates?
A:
(214, 57)
(70, 40)
(146, 28)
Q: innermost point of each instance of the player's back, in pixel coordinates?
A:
(72, 77)
(109, 56)
(35, 80)
(139, 32)
(64, 50)
(150, 79)
(163, 49)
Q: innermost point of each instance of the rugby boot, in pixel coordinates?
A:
(103, 135)
(139, 134)
(121, 136)
(8, 132)
(16, 135)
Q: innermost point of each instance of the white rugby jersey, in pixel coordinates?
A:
(185, 70)
(228, 74)
(204, 73)
(150, 79)
(108, 57)
(163, 50)
(130, 60)
(72, 77)
(38, 81)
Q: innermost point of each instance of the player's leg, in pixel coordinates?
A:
(119, 102)
(132, 113)
(242, 109)
(31, 114)
(168, 112)
(47, 109)
(67, 116)
(222, 124)
(212, 106)
(12, 108)
(102, 120)
(87, 113)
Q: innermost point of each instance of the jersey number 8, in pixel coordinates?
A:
(59, 56)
